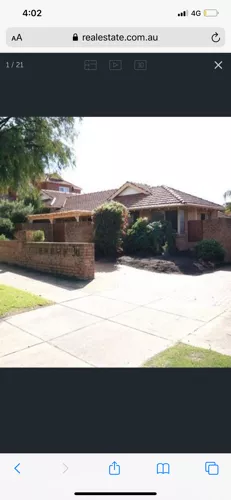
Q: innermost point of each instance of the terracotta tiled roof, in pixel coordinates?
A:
(56, 198)
(194, 200)
(88, 201)
(160, 196)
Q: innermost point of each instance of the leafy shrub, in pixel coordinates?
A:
(38, 236)
(169, 236)
(6, 208)
(16, 211)
(210, 251)
(6, 227)
(150, 237)
(110, 222)
(3, 237)
(138, 237)
(20, 212)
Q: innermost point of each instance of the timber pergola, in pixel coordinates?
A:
(68, 214)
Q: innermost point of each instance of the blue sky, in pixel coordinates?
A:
(190, 154)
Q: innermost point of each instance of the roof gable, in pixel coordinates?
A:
(130, 188)
(60, 181)
(45, 196)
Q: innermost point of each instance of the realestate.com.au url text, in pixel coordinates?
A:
(116, 37)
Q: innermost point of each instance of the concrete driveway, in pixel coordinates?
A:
(120, 319)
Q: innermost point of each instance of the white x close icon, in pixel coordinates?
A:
(218, 65)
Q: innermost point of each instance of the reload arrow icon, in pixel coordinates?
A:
(65, 468)
(216, 38)
(16, 468)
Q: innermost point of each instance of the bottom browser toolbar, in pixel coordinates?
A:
(61, 477)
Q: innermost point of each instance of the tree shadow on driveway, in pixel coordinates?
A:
(52, 279)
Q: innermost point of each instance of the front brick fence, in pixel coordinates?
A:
(76, 260)
(79, 231)
(220, 230)
(43, 226)
(70, 231)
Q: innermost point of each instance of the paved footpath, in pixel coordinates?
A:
(120, 319)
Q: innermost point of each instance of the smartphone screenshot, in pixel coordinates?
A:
(115, 250)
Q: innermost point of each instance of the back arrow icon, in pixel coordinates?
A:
(65, 468)
(16, 468)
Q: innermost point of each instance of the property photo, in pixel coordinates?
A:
(115, 242)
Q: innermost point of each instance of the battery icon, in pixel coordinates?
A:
(211, 12)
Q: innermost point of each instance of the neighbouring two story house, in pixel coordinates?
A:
(55, 192)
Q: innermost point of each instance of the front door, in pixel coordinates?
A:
(171, 216)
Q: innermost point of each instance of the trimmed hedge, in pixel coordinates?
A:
(110, 222)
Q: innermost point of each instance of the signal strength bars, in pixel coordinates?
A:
(183, 14)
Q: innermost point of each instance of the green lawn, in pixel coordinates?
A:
(185, 356)
(13, 300)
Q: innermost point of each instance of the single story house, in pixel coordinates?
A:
(142, 200)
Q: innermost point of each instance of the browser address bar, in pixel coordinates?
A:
(117, 37)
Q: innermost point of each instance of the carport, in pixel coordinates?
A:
(65, 226)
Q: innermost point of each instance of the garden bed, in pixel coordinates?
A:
(180, 264)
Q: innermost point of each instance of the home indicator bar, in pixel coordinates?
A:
(116, 493)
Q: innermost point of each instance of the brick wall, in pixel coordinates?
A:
(47, 227)
(220, 230)
(24, 235)
(182, 242)
(75, 260)
(73, 231)
(79, 231)
(54, 186)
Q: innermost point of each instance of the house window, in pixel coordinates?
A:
(134, 216)
(63, 189)
(156, 216)
(181, 222)
(204, 216)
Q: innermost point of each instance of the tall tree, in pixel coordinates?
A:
(30, 145)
